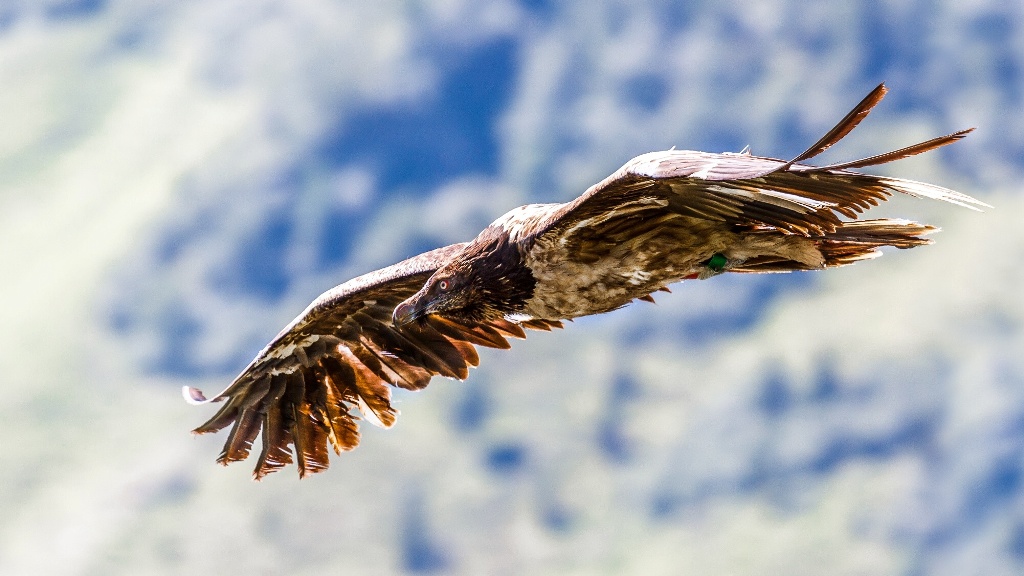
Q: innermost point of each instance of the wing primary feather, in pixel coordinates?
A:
(343, 395)
(299, 422)
(343, 432)
(309, 439)
(840, 130)
(906, 152)
(276, 436)
(315, 427)
(373, 396)
(220, 420)
(294, 397)
(248, 392)
(239, 440)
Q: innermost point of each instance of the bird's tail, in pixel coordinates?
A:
(849, 243)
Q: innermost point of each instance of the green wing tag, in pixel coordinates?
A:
(717, 262)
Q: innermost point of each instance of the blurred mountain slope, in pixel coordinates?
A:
(179, 179)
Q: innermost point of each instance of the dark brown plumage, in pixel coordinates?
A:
(661, 218)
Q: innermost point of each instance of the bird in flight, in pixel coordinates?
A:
(661, 218)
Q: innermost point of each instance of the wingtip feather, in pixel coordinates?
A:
(193, 396)
(844, 127)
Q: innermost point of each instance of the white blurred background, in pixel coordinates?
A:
(179, 178)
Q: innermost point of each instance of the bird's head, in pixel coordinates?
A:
(448, 292)
(487, 281)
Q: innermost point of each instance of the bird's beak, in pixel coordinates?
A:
(407, 312)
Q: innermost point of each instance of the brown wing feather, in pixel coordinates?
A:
(902, 153)
(845, 126)
(344, 353)
(276, 436)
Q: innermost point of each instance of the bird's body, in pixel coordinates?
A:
(672, 249)
(661, 218)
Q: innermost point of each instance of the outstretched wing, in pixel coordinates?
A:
(344, 353)
(742, 189)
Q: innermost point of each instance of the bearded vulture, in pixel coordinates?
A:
(661, 218)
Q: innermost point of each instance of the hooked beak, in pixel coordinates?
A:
(407, 312)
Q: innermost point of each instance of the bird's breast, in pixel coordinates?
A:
(577, 277)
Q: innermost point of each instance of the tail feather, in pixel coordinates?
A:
(849, 243)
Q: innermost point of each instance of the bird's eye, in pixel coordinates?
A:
(443, 284)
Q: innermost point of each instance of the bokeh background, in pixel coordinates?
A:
(178, 179)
